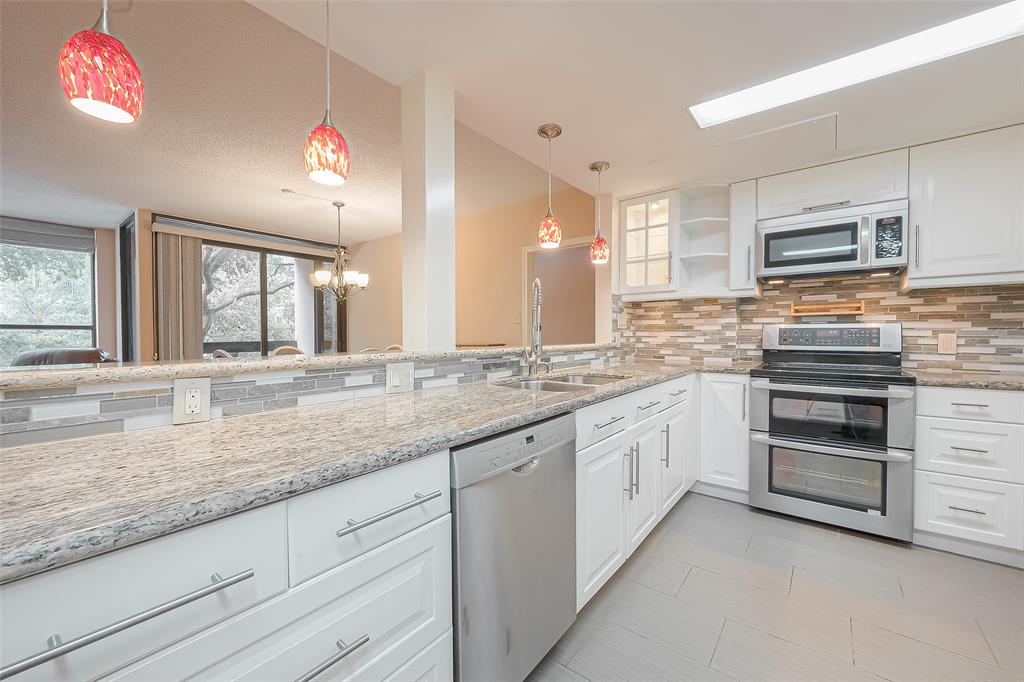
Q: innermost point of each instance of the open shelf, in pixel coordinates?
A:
(703, 221)
(709, 254)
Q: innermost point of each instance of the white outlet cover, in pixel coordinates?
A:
(399, 378)
(181, 388)
(947, 344)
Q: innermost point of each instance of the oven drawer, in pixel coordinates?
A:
(989, 512)
(971, 403)
(989, 450)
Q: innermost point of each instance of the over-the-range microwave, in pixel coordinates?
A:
(839, 240)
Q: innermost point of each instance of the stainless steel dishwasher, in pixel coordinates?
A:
(514, 510)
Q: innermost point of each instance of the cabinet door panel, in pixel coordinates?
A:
(675, 442)
(742, 229)
(967, 205)
(600, 515)
(642, 510)
(724, 430)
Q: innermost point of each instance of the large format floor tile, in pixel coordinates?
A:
(719, 591)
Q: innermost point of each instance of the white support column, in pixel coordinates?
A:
(428, 215)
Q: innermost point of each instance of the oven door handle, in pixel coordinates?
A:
(892, 393)
(887, 455)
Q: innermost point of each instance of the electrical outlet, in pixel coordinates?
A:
(191, 400)
(399, 377)
(947, 344)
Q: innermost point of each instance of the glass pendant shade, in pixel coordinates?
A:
(599, 250)
(99, 77)
(320, 278)
(327, 155)
(549, 234)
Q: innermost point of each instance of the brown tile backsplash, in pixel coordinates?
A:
(988, 321)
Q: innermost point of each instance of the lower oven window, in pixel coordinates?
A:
(829, 479)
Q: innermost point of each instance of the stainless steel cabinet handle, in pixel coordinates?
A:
(865, 233)
(892, 393)
(677, 393)
(629, 486)
(982, 405)
(744, 403)
(636, 463)
(420, 498)
(748, 264)
(886, 455)
(345, 651)
(965, 509)
(917, 246)
(59, 648)
(649, 405)
(668, 435)
(959, 449)
(834, 204)
(609, 422)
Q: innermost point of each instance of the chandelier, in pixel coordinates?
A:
(339, 281)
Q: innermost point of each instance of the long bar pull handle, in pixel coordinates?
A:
(879, 455)
(744, 402)
(965, 509)
(676, 394)
(917, 246)
(668, 435)
(748, 264)
(834, 204)
(420, 498)
(629, 486)
(892, 393)
(59, 648)
(609, 422)
(959, 449)
(865, 234)
(346, 649)
(648, 405)
(981, 405)
(636, 463)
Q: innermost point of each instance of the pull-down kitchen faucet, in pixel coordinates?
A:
(533, 353)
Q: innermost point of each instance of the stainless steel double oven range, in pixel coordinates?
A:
(832, 427)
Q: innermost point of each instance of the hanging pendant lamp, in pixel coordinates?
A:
(549, 233)
(339, 281)
(99, 76)
(599, 249)
(326, 150)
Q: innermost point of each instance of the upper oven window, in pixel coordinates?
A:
(850, 419)
(811, 246)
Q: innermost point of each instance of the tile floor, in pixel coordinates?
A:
(721, 592)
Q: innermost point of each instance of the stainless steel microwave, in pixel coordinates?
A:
(840, 240)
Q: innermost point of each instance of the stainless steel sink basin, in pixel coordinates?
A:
(542, 385)
(587, 379)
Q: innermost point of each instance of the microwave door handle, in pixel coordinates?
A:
(892, 393)
(886, 455)
(865, 234)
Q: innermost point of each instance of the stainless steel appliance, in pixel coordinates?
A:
(832, 427)
(514, 509)
(840, 239)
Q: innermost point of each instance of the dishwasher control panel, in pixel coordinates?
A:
(499, 453)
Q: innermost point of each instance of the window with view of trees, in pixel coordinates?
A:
(47, 299)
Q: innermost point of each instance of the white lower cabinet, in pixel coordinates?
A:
(433, 664)
(643, 473)
(724, 430)
(600, 515)
(676, 442)
(989, 512)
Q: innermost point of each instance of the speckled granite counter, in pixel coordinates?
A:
(70, 500)
(1000, 381)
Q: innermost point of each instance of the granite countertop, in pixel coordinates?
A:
(1001, 381)
(69, 500)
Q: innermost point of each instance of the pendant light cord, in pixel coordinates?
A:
(339, 226)
(598, 203)
(549, 176)
(102, 25)
(328, 4)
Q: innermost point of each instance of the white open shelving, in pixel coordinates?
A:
(703, 251)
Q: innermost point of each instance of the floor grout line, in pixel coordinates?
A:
(985, 637)
(933, 646)
(853, 651)
(679, 589)
(899, 582)
(792, 570)
(717, 641)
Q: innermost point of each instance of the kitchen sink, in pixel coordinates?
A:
(543, 385)
(588, 379)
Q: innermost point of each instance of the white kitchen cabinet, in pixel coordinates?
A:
(600, 515)
(864, 180)
(724, 430)
(742, 232)
(987, 512)
(648, 227)
(675, 442)
(990, 450)
(642, 506)
(967, 210)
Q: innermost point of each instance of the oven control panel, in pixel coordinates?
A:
(885, 337)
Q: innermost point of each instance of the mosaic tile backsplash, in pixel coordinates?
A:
(988, 321)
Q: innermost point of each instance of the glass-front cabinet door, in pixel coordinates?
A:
(647, 226)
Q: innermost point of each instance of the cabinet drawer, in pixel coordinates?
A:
(647, 402)
(675, 392)
(400, 498)
(603, 420)
(971, 403)
(396, 597)
(247, 551)
(436, 663)
(970, 508)
(990, 450)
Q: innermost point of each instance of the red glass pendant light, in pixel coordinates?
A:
(99, 76)
(600, 252)
(326, 152)
(549, 233)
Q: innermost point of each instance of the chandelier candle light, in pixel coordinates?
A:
(326, 150)
(599, 249)
(99, 76)
(339, 281)
(549, 234)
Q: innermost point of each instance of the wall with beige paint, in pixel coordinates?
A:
(567, 312)
(375, 315)
(106, 291)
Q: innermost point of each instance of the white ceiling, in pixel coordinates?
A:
(619, 77)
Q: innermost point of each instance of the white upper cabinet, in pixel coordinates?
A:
(647, 226)
(879, 177)
(742, 230)
(967, 210)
